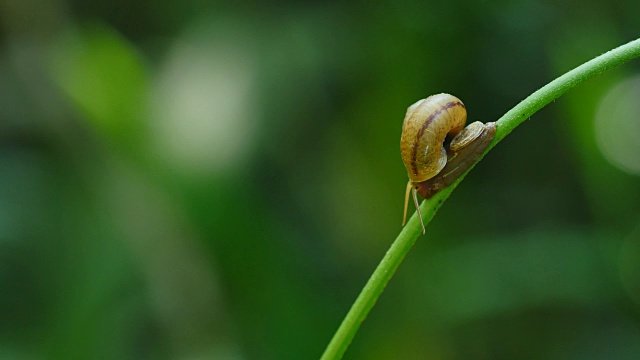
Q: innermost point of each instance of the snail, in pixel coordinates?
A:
(436, 148)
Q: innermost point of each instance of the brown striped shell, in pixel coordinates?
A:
(426, 125)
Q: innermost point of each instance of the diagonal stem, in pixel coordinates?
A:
(409, 234)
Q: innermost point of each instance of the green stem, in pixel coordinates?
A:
(408, 236)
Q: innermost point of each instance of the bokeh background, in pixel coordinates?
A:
(217, 180)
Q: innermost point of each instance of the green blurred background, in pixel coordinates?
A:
(217, 180)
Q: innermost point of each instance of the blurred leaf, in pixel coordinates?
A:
(105, 78)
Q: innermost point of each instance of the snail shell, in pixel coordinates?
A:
(426, 125)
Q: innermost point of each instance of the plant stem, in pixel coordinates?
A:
(408, 236)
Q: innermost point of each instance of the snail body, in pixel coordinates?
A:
(435, 146)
